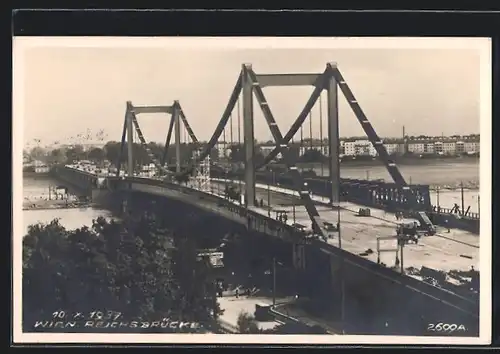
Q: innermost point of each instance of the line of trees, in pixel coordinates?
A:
(136, 268)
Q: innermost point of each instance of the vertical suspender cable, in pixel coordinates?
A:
(310, 131)
(321, 134)
(239, 139)
(224, 141)
(301, 147)
(231, 141)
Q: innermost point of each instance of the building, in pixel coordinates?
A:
(350, 148)
(416, 147)
(438, 147)
(392, 148)
(266, 149)
(429, 148)
(449, 147)
(223, 149)
(40, 167)
(472, 147)
(365, 148)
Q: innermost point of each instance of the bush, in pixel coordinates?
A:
(247, 324)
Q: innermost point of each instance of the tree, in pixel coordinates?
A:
(57, 156)
(75, 153)
(126, 267)
(38, 153)
(247, 324)
(237, 154)
(96, 154)
(312, 155)
(112, 151)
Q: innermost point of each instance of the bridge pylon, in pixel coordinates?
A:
(251, 85)
(131, 125)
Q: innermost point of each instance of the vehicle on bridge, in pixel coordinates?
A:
(413, 230)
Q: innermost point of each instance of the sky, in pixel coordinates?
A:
(70, 90)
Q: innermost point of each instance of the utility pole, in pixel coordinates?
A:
(462, 196)
(269, 198)
(478, 206)
(367, 175)
(437, 196)
(274, 282)
(402, 247)
(293, 209)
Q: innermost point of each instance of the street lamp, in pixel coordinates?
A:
(478, 204)
(269, 197)
(437, 197)
(274, 279)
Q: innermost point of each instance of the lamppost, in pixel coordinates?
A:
(269, 196)
(274, 279)
(478, 204)
(274, 282)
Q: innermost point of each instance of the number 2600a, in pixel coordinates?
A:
(445, 327)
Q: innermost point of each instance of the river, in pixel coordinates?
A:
(434, 174)
(70, 218)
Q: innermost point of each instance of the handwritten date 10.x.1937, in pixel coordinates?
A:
(107, 315)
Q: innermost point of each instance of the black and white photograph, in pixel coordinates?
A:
(243, 190)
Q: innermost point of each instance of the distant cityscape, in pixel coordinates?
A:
(307, 150)
(361, 146)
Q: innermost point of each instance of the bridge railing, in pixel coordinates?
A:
(375, 194)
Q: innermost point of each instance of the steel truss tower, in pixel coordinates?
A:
(131, 124)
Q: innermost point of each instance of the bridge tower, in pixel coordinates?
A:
(131, 126)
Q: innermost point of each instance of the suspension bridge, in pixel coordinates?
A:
(322, 214)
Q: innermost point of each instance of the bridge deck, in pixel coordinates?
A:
(457, 250)
(443, 251)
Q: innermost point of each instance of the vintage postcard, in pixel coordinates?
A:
(239, 190)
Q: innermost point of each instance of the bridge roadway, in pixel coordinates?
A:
(358, 234)
(457, 250)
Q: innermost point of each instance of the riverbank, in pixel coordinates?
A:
(45, 204)
(32, 174)
(403, 161)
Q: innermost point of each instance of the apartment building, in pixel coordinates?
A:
(417, 147)
(392, 148)
(359, 148)
(429, 148)
(460, 147)
(449, 147)
(471, 146)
